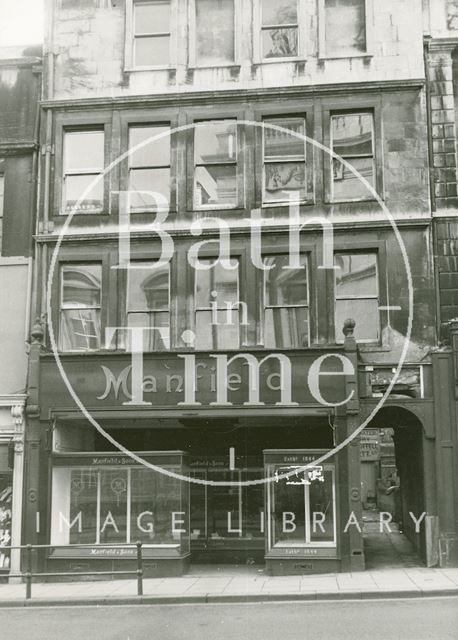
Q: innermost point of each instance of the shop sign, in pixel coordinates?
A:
(370, 445)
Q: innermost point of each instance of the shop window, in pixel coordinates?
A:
(80, 307)
(352, 138)
(344, 24)
(83, 162)
(214, 32)
(284, 176)
(151, 33)
(149, 168)
(356, 293)
(215, 164)
(286, 310)
(218, 309)
(2, 200)
(279, 28)
(301, 506)
(148, 303)
(6, 505)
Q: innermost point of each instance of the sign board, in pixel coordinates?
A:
(370, 445)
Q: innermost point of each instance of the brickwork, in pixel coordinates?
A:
(443, 126)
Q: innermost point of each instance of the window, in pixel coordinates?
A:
(151, 33)
(215, 164)
(2, 199)
(215, 32)
(356, 284)
(352, 137)
(284, 160)
(80, 305)
(217, 307)
(83, 162)
(149, 167)
(286, 313)
(279, 28)
(345, 27)
(148, 303)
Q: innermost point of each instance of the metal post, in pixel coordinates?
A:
(28, 572)
(139, 569)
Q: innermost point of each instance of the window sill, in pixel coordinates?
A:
(345, 56)
(279, 60)
(160, 67)
(356, 200)
(235, 66)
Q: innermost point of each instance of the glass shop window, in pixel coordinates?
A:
(215, 164)
(215, 32)
(80, 307)
(352, 136)
(83, 162)
(301, 506)
(357, 295)
(286, 306)
(148, 303)
(345, 27)
(2, 200)
(218, 309)
(279, 28)
(284, 170)
(149, 167)
(151, 33)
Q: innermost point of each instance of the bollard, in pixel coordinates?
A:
(139, 569)
(28, 572)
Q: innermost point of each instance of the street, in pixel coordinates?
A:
(401, 619)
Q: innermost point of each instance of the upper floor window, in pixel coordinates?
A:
(344, 27)
(357, 295)
(80, 305)
(286, 306)
(284, 176)
(218, 308)
(215, 164)
(352, 138)
(151, 33)
(148, 303)
(83, 162)
(214, 32)
(279, 28)
(149, 167)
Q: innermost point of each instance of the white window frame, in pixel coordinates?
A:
(322, 54)
(129, 61)
(193, 62)
(301, 35)
(83, 171)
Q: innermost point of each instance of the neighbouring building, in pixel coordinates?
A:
(265, 362)
(20, 86)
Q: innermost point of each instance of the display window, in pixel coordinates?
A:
(6, 499)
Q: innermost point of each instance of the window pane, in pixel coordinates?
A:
(152, 51)
(279, 43)
(84, 150)
(215, 142)
(284, 181)
(285, 286)
(223, 282)
(286, 328)
(152, 17)
(215, 31)
(81, 285)
(155, 153)
(148, 288)
(83, 500)
(74, 188)
(216, 185)
(152, 340)
(364, 312)
(280, 144)
(2, 192)
(224, 334)
(352, 134)
(321, 504)
(356, 275)
(113, 505)
(288, 505)
(345, 26)
(275, 12)
(80, 330)
(154, 180)
(346, 185)
(224, 501)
